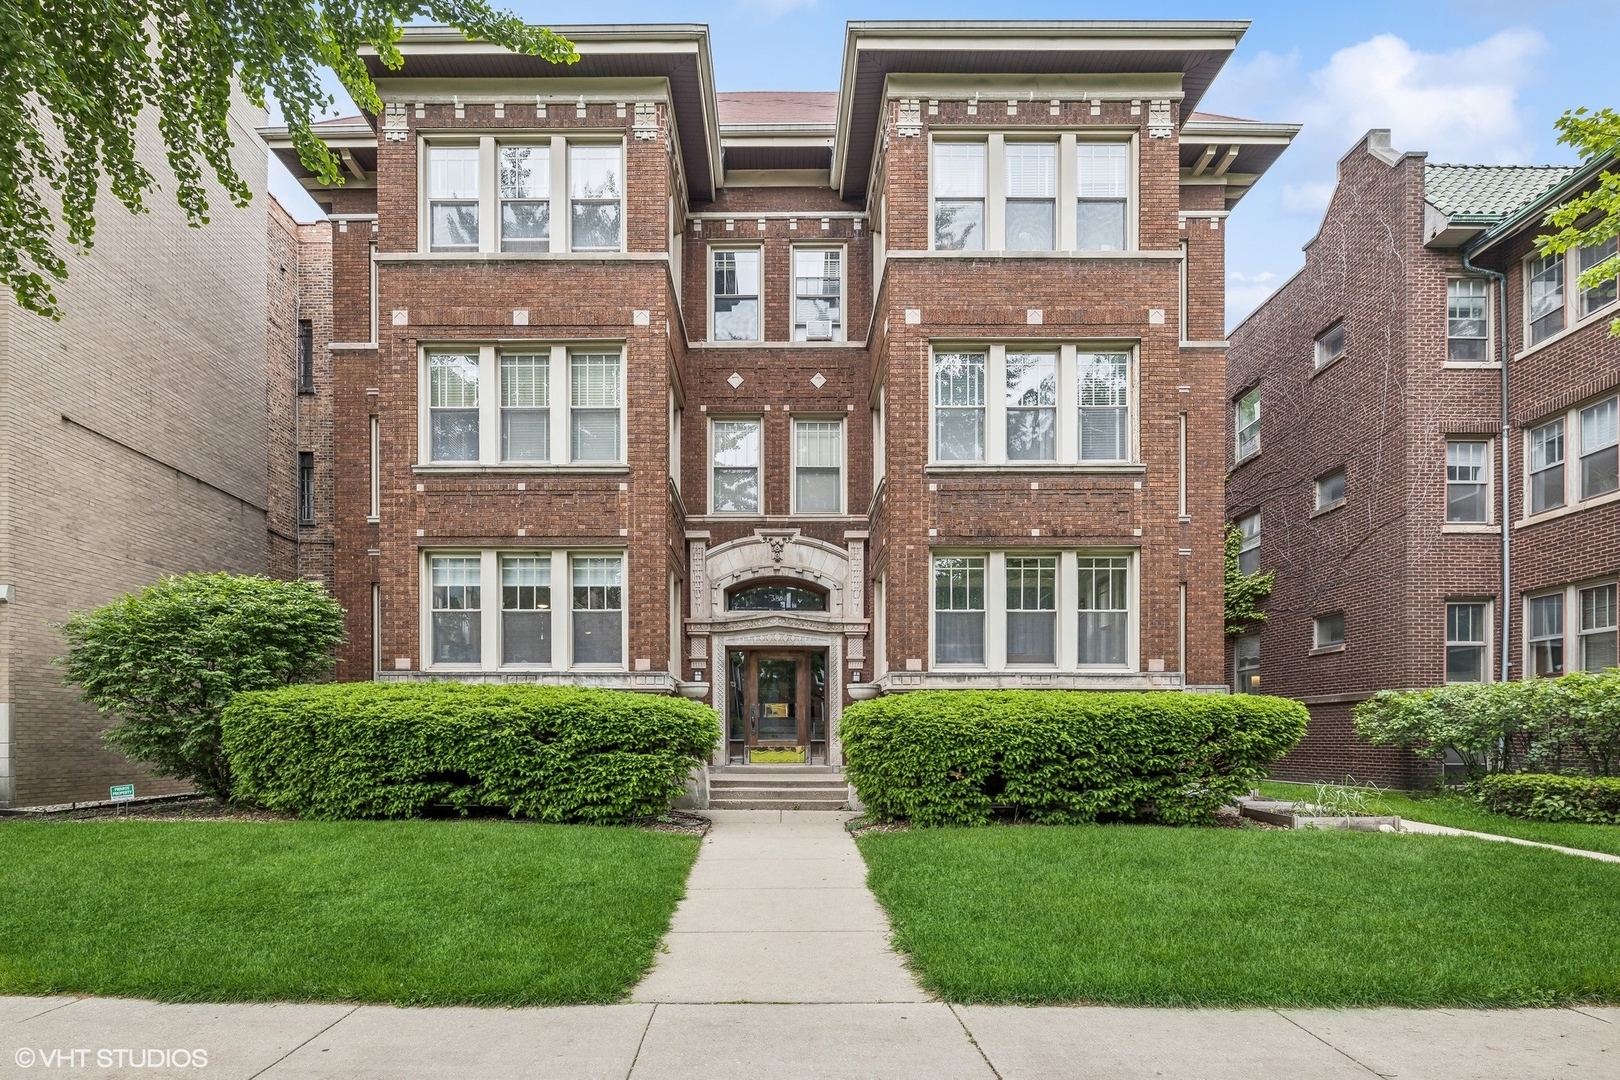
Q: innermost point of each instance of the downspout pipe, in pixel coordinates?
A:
(1505, 472)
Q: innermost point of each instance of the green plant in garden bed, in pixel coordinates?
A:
(556, 753)
(411, 912)
(1142, 915)
(1592, 800)
(954, 757)
(1460, 811)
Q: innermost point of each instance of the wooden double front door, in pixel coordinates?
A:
(777, 706)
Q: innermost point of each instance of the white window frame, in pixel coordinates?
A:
(1490, 324)
(843, 464)
(1251, 540)
(501, 200)
(758, 424)
(838, 329)
(1575, 499)
(1488, 481)
(491, 645)
(1066, 239)
(1067, 645)
(1239, 427)
(1531, 638)
(1485, 645)
(560, 192)
(1578, 623)
(426, 147)
(716, 250)
(1323, 507)
(1317, 644)
(1321, 349)
(1573, 300)
(1068, 405)
(560, 395)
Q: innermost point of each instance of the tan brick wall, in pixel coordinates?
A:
(132, 445)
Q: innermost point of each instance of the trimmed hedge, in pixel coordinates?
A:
(371, 750)
(955, 757)
(1594, 800)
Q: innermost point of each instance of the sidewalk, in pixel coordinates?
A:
(778, 966)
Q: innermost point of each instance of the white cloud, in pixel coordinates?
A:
(1244, 292)
(1459, 105)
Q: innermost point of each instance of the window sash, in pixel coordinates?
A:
(1598, 627)
(598, 609)
(594, 413)
(959, 196)
(306, 488)
(1546, 636)
(735, 467)
(456, 605)
(525, 609)
(525, 197)
(453, 406)
(1600, 455)
(1466, 643)
(959, 609)
(1031, 403)
(735, 313)
(1544, 296)
(1328, 631)
(1330, 490)
(1248, 424)
(818, 465)
(818, 291)
(595, 187)
(1032, 609)
(1593, 300)
(1249, 549)
(959, 406)
(1330, 345)
(1467, 481)
(1104, 394)
(1467, 320)
(1031, 196)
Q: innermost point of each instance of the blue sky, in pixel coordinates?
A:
(1477, 81)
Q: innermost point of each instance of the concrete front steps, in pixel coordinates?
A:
(777, 787)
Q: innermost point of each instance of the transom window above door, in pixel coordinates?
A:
(776, 596)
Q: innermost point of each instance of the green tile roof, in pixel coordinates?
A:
(1491, 191)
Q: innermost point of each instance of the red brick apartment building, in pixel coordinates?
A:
(1371, 400)
(783, 399)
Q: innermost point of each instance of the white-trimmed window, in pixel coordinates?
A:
(1327, 631)
(598, 609)
(1249, 551)
(1600, 448)
(959, 195)
(1032, 406)
(818, 467)
(1246, 664)
(456, 599)
(526, 609)
(1104, 627)
(1468, 320)
(1102, 187)
(1546, 637)
(734, 478)
(453, 406)
(595, 196)
(1553, 297)
(1598, 627)
(1329, 345)
(1467, 637)
(453, 196)
(735, 309)
(818, 294)
(1468, 486)
(959, 609)
(1031, 195)
(1248, 424)
(1104, 388)
(526, 406)
(1546, 466)
(536, 193)
(1032, 609)
(525, 193)
(596, 404)
(1330, 489)
(959, 405)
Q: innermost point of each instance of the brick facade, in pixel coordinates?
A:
(1387, 558)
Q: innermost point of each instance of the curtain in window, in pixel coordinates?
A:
(1032, 609)
(594, 415)
(525, 407)
(453, 406)
(959, 610)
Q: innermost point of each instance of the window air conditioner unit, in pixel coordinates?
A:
(819, 329)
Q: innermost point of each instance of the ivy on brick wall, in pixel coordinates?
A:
(87, 70)
(1244, 592)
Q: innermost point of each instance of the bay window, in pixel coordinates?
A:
(453, 193)
(818, 467)
(1031, 193)
(1592, 447)
(734, 314)
(959, 609)
(734, 478)
(1102, 185)
(1031, 406)
(959, 190)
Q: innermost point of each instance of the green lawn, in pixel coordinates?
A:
(1142, 915)
(419, 912)
(1460, 812)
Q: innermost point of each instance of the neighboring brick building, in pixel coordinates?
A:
(132, 445)
(768, 398)
(1364, 455)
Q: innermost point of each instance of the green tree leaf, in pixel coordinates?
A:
(1593, 135)
(1244, 592)
(76, 76)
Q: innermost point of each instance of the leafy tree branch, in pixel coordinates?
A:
(76, 75)
(1593, 135)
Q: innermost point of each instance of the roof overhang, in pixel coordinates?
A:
(353, 141)
(1231, 153)
(1534, 212)
(991, 53)
(675, 56)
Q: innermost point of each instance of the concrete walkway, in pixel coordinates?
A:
(1447, 830)
(63, 1037)
(777, 910)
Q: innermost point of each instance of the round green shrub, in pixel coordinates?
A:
(551, 753)
(957, 757)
